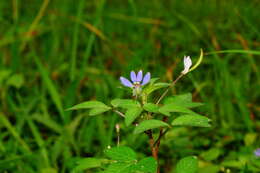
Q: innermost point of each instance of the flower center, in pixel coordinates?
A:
(137, 84)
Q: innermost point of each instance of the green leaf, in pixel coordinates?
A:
(125, 103)
(97, 111)
(16, 80)
(187, 165)
(211, 154)
(89, 105)
(153, 87)
(4, 74)
(121, 153)
(147, 165)
(153, 80)
(151, 107)
(191, 120)
(88, 163)
(149, 124)
(166, 109)
(120, 167)
(132, 114)
(184, 100)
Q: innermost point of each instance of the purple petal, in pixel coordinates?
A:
(257, 152)
(147, 78)
(133, 76)
(139, 76)
(126, 82)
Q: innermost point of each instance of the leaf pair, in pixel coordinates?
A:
(126, 161)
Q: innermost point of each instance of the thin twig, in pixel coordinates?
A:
(167, 90)
(119, 113)
(160, 137)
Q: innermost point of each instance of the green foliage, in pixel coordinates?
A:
(187, 165)
(89, 105)
(95, 107)
(54, 55)
(119, 168)
(147, 165)
(211, 154)
(88, 163)
(131, 114)
(184, 100)
(172, 107)
(125, 103)
(149, 124)
(123, 160)
(151, 107)
(153, 87)
(121, 154)
(191, 120)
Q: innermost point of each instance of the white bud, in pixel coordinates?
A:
(187, 64)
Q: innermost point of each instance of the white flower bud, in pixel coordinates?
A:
(187, 64)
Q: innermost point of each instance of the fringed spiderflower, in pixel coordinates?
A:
(137, 81)
(257, 152)
(187, 64)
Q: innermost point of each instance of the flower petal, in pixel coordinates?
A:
(187, 64)
(257, 152)
(126, 82)
(146, 79)
(133, 76)
(187, 61)
(139, 76)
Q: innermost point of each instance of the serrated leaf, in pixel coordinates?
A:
(89, 105)
(191, 120)
(165, 109)
(125, 103)
(97, 111)
(121, 153)
(184, 100)
(151, 107)
(187, 165)
(88, 163)
(147, 165)
(149, 124)
(132, 114)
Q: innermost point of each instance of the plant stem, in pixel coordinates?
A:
(154, 149)
(119, 113)
(167, 90)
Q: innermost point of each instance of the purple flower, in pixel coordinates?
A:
(257, 152)
(137, 79)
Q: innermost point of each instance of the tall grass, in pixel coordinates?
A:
(65, 52)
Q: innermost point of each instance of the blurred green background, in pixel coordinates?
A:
(57, 53)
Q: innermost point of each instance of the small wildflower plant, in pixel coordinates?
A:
(149, 116)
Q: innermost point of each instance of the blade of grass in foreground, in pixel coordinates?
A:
(40, 142)
(12, 130)
(75, 41)
(253, 52)
(51, 87)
